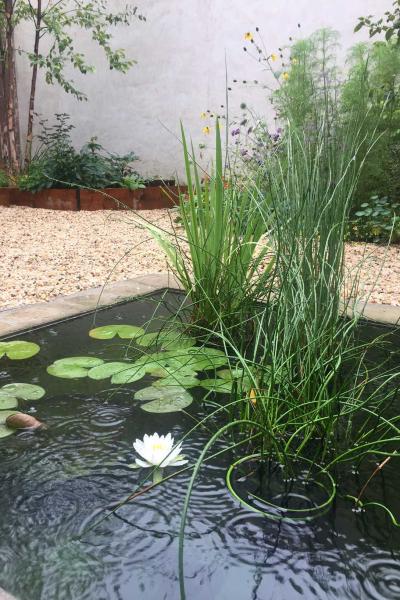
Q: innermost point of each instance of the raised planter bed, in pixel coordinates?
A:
(151, 197)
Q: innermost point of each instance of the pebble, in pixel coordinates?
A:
(48, 253)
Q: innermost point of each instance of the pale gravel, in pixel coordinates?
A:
(47, 253)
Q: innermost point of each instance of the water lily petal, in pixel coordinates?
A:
(142, 463)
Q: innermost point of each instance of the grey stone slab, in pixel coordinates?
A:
(34, 315)
(5, 595)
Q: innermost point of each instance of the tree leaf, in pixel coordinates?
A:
(18, 349)
(107, 332)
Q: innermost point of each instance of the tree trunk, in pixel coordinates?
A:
(11, 134)
(31, 113)
(3, 106)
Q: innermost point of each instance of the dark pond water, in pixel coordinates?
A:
(55, 482)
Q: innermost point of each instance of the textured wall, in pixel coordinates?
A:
(181, 52)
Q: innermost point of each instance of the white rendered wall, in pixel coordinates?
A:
(180, 73)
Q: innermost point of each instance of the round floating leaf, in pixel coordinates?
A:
(154, 393)
(73, 367)
(7, 401)
(87, 362)
(108, 369)
(18, 349)
(164, 399)
(5, 431)
(25, 391)
(4, 414)
(125, 332)
(229, 374)
(217, 385)
(134, 373)
(166, 406)
(206, 358)
(184, 379)
(170, 340)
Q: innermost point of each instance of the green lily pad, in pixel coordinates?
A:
(229, 374)
(205, 358)
(107, 332)
(24, 391)
(154, 393)
(5, 431)
(108, 369)
(7, 401)
(18, 349)
(73, 367)
(184, 379)
(166, 406)
(169, 340)
(164, 399)
(4, 414)
(217, 385)
(134, 373)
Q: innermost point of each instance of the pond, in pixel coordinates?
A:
(56, 482)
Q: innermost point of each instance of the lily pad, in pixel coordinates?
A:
(108, 369)
(4, 414)
(205, 358)
(24, 391)
(73, 367)
(153, 393)
(184, 379)
(134, 373)
(166, 406)
(107, 332)
(5, 431)
(7, 401)
(217, 385)
(18, 349)
(169, 340)
(164, 399)
(229, 374)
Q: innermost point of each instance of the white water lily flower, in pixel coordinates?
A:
(158, 451)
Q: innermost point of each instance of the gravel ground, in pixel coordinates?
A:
(47, 253)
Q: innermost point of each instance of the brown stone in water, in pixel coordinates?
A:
(23, 421)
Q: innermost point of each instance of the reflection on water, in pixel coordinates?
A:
(55, 483)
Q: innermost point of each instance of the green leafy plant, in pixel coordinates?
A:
(389, 23)
(132, 182)
(58, 164)
(222, 229)
(376, 221)
(4, 181)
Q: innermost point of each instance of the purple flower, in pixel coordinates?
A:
(235, 131)
(243, 152)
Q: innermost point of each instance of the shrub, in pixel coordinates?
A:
(58, 164)
(377, 220)
(4, 182)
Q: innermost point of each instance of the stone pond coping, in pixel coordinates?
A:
(31, 316)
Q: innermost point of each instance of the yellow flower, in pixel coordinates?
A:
(274, 57)
(248, 36)
(203, 115)
(206, 130)
(285, 75)
(253, 397)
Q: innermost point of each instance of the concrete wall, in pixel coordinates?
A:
(181, 52)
